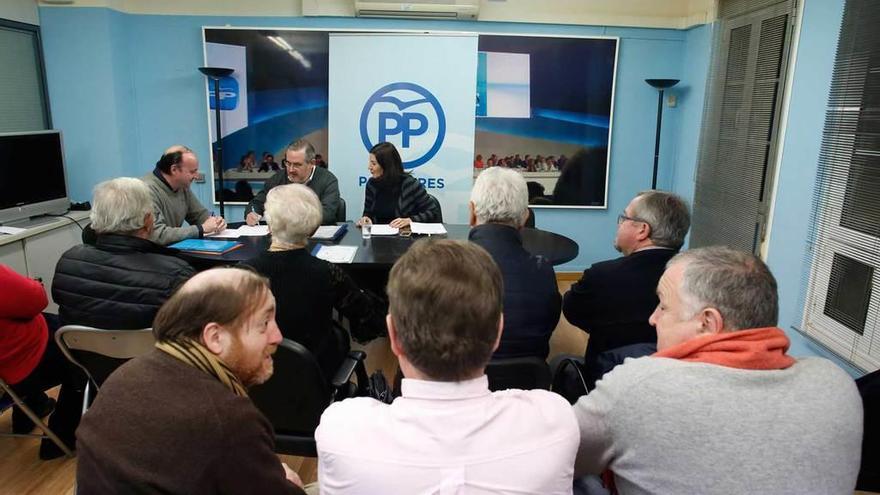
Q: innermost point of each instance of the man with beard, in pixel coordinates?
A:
(613, 299)
(178, 419)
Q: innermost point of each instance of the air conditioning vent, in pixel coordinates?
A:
(424, 9)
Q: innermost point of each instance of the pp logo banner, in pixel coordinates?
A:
(228, 93)
(408, 115)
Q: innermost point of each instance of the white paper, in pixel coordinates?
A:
(337, 254)
(326, 231)
(253, 230)
(384, 229)
(11, 230)
(226, 234)
(427, 228)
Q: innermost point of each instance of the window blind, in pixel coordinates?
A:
(738, 140)
(843, 249)
(22, 88)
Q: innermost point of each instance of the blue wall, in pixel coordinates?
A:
(123, 87)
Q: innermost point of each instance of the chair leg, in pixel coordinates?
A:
(36, 419)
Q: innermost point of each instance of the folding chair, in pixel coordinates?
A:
(99, 352)
(10, 399)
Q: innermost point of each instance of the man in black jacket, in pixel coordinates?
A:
(121, 281)
(298, 167)
(499, 208)
(614, 299)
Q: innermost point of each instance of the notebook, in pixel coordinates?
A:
(330, 232)
(203, 246)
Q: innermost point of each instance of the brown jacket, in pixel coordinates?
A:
(161, 426)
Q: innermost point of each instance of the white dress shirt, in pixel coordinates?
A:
(448, 438)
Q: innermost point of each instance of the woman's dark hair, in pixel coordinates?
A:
(389, 159)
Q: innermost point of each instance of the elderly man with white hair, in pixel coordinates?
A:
(498, 210)
(118, 283)
(307, 288)
(121, 281)
(722, 408)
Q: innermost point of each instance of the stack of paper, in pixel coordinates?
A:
(335, 254)
(244, 230)
(427, 228)
(384, 229)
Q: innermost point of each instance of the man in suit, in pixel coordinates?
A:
(299, 168)
(613, 299)
(499, 208)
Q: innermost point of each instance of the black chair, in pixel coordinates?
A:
(296, 395)
(530, 220)
(436, 204)
(525, 373)
(340, 210)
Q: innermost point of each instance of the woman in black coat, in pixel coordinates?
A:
(392, 196)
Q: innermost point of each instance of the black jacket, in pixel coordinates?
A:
(614, 299)
(118, 284)
(306, 291)
(531, 296)
(323, 182)
(412, 202)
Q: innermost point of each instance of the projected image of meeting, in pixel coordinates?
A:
(543, 107)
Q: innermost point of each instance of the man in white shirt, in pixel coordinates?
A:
(447, 433)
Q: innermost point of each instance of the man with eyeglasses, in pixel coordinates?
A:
(613, 299)
(298, 167)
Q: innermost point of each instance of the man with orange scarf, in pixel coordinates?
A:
(721, 408)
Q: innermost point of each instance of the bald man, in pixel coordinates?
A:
(174, 202)
(178, 419)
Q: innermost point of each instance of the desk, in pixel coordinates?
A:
(36, 251)
(382, 251)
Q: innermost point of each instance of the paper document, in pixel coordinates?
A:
(330, 232)
(427, 228)
(337, 254)
(11, 230)
(384, 229)
(226, 234)
(253, 230)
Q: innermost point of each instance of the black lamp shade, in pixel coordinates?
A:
(662, 83)
(218, 72)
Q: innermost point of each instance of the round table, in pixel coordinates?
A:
(383, 251)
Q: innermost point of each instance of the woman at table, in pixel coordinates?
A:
(392, 196)
(307, 289)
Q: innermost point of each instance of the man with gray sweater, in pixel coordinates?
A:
(720, 408)
(174, 202)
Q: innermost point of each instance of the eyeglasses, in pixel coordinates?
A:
(622, 218)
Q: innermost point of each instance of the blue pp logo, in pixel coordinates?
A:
(228, 93)
(407, 115)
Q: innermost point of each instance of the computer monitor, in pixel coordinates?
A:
(32, 175)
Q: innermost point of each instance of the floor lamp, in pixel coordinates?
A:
(662, 85)
(215, 74)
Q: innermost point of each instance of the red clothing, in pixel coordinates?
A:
(23, 331)
(753, 349)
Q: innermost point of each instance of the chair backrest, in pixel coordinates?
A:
(436, 203)
(340, 210)
(524, 373)
(296, 394)
(99, 352)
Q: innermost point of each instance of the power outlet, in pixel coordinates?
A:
(200, 178)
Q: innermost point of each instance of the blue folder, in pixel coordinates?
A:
(205, 246)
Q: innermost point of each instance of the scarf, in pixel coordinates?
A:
(753, 349)
(195, 355)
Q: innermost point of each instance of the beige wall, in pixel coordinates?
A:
(20, 11)
(676, 14)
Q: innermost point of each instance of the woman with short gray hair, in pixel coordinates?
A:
(307, 289)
